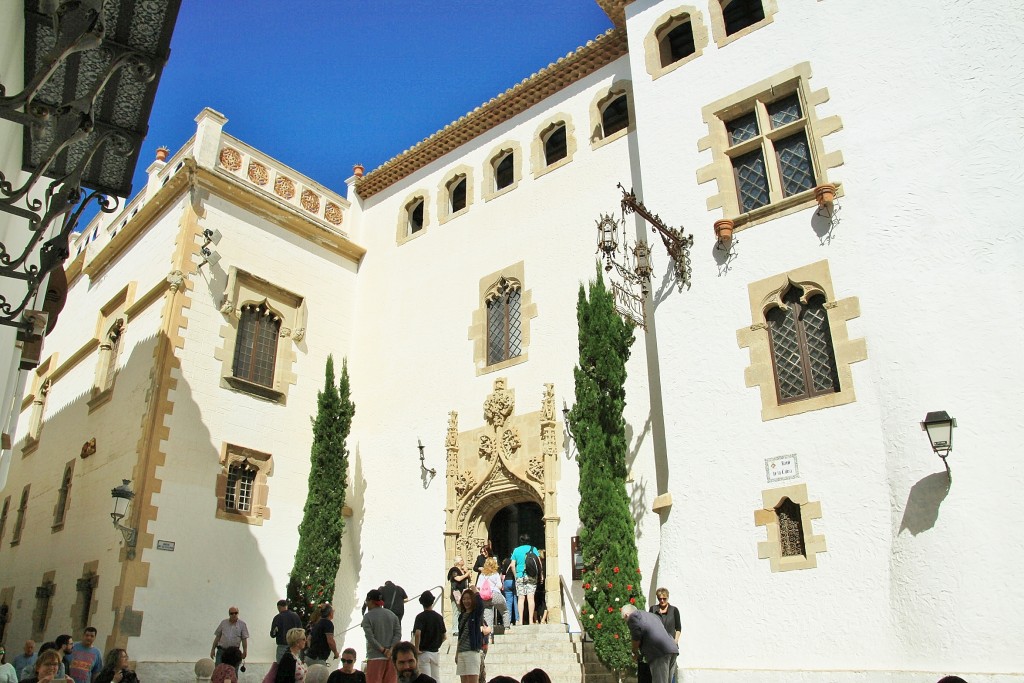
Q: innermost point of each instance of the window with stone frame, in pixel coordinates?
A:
(677, 37)
(555, 145)
(788, 515)
(791, 529)
(799, 342)
(733, 19)
(41, 384)
(766, 142)
(242, 484)
(19, 522)
(414, 216)
(110, 335)
(256, 344)
(802, 354)
(60, 511)
(504, 321)
(504, 170)
(615, 115)
(457, 194)
(676, 41)
(85, 605)
(500, 329)
(41, 613)
(4, 510)
(263, 324)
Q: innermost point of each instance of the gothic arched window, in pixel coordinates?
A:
(801, 343)
(504, 322)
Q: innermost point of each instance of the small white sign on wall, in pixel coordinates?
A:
(781, 468)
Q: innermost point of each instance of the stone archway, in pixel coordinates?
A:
(510, 459)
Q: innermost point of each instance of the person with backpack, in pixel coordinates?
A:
(489, 588)
(508, 573)
(526, 560)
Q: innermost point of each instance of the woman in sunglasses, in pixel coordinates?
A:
(348, 673)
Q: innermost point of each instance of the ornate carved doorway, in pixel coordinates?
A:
(511, 460)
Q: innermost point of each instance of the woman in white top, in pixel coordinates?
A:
(496, 604)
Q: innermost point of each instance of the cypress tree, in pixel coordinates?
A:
(319, 552)
(607, 537)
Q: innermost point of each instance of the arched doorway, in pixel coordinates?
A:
(502, 481)
(513, 520)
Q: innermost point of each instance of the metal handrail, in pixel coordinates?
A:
(567, 597)
(409, 599)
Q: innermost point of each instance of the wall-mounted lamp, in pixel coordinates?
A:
(209, 255)
(424, 470)
(122, 496)
(568, 424)
(939, 426)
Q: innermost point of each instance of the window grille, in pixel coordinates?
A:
(256, 345)
(457, 192)
(791, 529)
(774, 130)
(241, 482)
(43, 595)
(86, 587)
(677, 43)
(504, 172)
(739, 14)
(3, 517)
(114, 337)
(802, 352)
(504, 324)
(615, 116)
(5, 616)
(555, 146)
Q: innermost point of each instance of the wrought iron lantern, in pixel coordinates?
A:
(123, 496)
(939, 426)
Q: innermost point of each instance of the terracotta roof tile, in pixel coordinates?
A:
(597, 53)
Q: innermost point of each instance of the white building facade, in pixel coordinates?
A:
(783, 489)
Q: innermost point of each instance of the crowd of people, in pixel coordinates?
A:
(63, 659)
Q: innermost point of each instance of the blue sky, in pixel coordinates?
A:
(324, 84)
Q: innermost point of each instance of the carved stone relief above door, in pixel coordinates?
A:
(510, 459)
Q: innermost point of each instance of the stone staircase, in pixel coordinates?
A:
(522, 648)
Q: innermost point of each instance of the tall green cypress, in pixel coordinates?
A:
(607, 536)
(319, 552)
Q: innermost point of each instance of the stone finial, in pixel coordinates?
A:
(204, 669)
(162, 153)
(358, 170)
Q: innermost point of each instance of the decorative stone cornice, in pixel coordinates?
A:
(596, 54)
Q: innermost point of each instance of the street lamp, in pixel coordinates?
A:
(939, 426)
(122, 496)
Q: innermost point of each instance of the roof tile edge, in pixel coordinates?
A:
(585, 60)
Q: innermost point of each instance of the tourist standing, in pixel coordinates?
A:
(382, 630)
(227, 670)
(473, 630)
(492, 596)
(650, 639)
(86, 660)
(284, 621)
(231, 632)
(321, 638)
(394, 598)
(27, 659)
(508, 573)
(7, 672)
(291, 669)
(526, 560)
(45, 668)
(669, 616)
(458, 579)
(486, 551)
(428, 632)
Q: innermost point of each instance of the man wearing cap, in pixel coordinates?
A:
(284, 621)
(232, 632)
(383, 630)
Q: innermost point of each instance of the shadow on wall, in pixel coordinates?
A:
(346, 598)
(922, 510)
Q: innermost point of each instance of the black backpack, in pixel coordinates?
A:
(532, 564)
